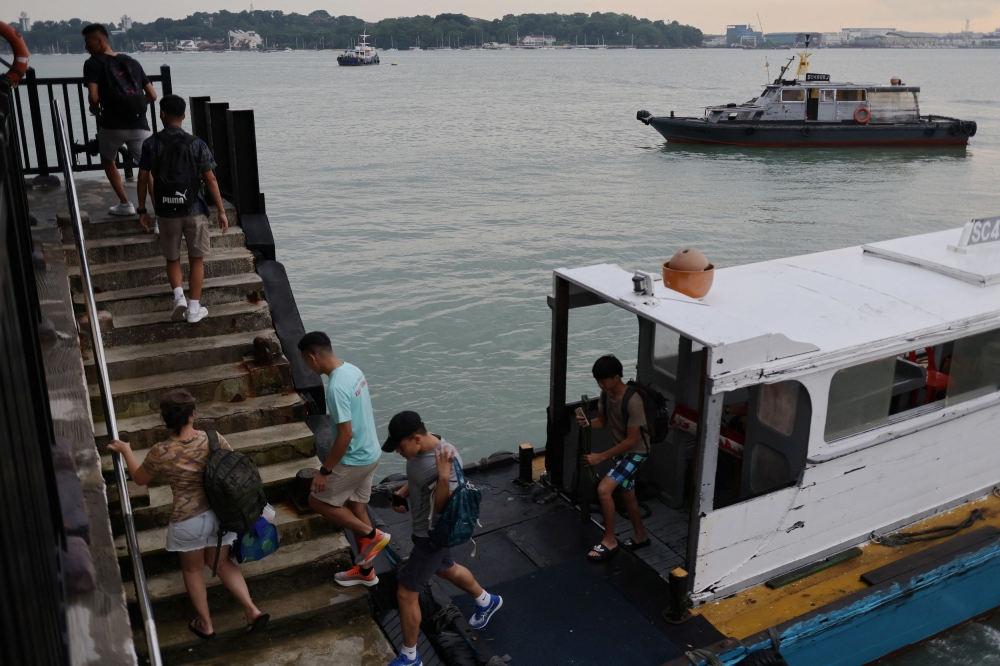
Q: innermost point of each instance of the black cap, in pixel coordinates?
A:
(402, 425)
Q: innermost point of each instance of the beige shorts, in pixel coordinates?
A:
(348, 484)
(194, 228)
(110, 140)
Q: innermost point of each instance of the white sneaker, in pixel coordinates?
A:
(194, 317)
(180, 309)
(122, 209)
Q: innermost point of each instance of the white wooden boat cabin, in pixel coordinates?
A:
(813, 400)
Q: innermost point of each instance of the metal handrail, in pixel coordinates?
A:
(104, 384)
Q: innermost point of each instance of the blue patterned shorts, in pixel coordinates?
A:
(624, 471)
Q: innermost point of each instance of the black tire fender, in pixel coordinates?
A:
(806, 131)
(750, 131)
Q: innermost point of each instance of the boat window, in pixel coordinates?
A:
(777, 405)
(973, 368)
(793, 95)
(859, 398)
(827, 95)
(851, 95)
(666, 349)
(891, 389)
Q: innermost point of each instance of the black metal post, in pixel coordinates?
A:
(525, 458)
(243, 161)
(218, 142)
(199, 116)
(166, 83)
(35, 109)
(557, 421)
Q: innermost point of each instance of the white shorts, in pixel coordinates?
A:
(197, 533)
(110, 140)
(348, 483)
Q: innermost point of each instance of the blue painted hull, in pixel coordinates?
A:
(890, 616)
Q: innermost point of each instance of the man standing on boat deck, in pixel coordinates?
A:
(118, 91)
(342, 487)
(180, 164)
(631, 448)
(431, 479)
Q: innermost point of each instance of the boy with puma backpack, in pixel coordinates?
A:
(180, 163)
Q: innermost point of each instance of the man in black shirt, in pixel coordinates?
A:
(108, 77)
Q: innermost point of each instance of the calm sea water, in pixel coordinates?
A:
(420, 209)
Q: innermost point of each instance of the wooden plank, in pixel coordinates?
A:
(975, 539)
(814, 568)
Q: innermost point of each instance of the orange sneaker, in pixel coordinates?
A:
(355, 577)
(369, 548)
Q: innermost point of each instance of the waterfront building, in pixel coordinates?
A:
(24, 22)
(738, 34)
(866, 33)
(536, 40)
(905, 39)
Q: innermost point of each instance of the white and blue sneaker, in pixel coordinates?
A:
(484, 613)
(401, 660)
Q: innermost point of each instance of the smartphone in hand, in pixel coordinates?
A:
(582, 415)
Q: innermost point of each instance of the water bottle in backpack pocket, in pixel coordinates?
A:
(235, 491)
(176, 178)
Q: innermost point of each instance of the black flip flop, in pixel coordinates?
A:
(193, 626)
(634, 545)
(259, 625)
(603, 553)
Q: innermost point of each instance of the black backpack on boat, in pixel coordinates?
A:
(234, 488)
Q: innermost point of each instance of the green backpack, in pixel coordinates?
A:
(458, 521)
(235, 490)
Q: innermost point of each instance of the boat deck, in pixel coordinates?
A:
(754, 610)
(559, 608)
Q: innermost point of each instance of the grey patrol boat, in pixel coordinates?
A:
(815, 112)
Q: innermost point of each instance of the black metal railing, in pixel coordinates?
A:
(32, 614)
(33, 99)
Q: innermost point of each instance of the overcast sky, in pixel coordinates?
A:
(711, 16)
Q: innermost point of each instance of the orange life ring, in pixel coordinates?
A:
(858, 111)
(20, 66)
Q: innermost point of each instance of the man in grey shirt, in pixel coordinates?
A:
(431, 480)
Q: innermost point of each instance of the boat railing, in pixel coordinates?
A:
(104, 384)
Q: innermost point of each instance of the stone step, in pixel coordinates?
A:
(156, 327)
(265, 446)
(295, 616)
(102, 225)
(214, 383)
(226, 417)
(278, 479)
(118, 249)
(292, 528)
(159, 297)
(152, 270)
(292, 568)
(359, 642)
(162, 357)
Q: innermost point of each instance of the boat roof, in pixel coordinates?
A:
(788, 316)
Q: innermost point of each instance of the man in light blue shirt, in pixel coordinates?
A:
(342, 486)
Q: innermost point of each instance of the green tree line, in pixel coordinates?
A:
(320, 28)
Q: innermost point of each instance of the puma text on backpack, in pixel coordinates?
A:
(652, 431)
(234, 488)
(176, 179)
(458, 521)
(126, 91)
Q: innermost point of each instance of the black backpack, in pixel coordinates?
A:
(234, 488)
(653, 432)
(176, 178)
(126, 92)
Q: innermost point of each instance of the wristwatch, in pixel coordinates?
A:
(324, 471)
(140, 211)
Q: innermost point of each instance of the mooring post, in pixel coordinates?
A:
(678, 610)
(525, 458)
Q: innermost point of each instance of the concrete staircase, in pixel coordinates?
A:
(252, 402)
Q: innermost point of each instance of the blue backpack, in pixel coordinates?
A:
(461, 514)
